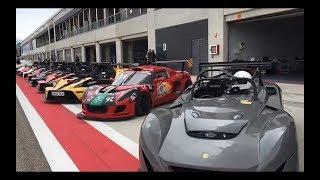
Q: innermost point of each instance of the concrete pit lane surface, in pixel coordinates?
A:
(49, 137)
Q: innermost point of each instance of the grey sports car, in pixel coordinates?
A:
(214, 126)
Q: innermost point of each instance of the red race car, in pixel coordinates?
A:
(134, 92)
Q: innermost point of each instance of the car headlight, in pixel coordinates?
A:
(127, 94)
(133, 96)
(54, 84)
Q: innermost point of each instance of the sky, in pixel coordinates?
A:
(29, 19)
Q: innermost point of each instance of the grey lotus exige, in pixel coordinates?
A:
(221, 123)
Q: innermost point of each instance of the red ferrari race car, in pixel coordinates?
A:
(23, 69)
(134, 92)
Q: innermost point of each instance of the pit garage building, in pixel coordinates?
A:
(126, 34)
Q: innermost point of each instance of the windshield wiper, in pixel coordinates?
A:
(126, 80)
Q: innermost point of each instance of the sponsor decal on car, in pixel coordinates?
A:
(163, 88)
(245, 102)
(205, 156)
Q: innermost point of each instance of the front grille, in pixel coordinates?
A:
(182, 169)
(211, 135)
(68, 97)
(29, 78)
(97, 109)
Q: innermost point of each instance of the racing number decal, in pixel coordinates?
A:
(109, 99)
(163, 88)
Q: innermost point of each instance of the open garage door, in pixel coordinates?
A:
(108, 52)
(77, 54)
(135, 50)
(90, 53)
(59, 55)
(279, 39)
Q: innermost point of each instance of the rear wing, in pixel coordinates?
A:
(174, 61)
(125, 64)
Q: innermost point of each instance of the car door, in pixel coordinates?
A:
(161, 88)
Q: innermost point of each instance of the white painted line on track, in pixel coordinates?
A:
(124, 142)
(56, 156)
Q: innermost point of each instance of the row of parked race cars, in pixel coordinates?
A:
(227, 120)
(106, 92)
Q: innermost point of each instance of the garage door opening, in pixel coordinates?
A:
(77, 55)
(280, 40)
(67, 54)
(59, 55)
(90, 53)
(135, 50)
(108, 52)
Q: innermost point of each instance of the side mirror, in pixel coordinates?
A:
(271, 91)
(150, 87)
(185, 94)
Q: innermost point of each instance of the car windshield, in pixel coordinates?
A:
(133, 78)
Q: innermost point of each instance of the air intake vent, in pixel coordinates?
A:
(211, 135)
(97, 109)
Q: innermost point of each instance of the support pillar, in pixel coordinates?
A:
(97, 16)
(119, 51)
(49, 33)
(72, 54)
(70, 28)
(83, 53)
(55, 55)
(83, 19)
(63, 55)
(105, 15)
(151, 29)
(78, 22)
(217, 34)
(98, 52)
(89, 18)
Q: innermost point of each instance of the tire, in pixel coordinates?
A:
(143, 104)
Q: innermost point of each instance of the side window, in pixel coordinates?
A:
(161, 74)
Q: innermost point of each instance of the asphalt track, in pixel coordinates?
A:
(29, 156)
(58, 141)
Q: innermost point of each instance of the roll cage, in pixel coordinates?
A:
(225, 77)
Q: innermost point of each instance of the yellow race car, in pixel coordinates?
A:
(72, 88)
(68, 90)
